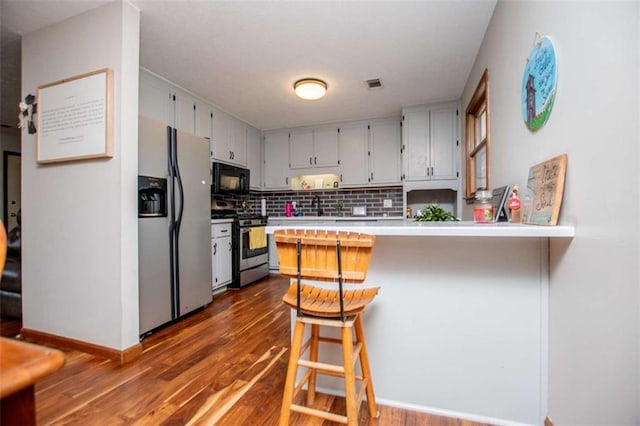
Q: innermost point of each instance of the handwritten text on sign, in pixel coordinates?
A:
(546, 182)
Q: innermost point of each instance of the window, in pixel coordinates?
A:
(477, 132)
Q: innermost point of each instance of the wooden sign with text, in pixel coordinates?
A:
(545, 188)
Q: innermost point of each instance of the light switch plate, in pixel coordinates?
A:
(387, 203)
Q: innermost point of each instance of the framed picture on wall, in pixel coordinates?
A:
(75, 118)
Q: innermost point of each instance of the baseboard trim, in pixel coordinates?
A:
(121, 357)
(435, 411)
(547, 421)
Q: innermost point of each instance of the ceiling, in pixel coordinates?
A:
(245, 56)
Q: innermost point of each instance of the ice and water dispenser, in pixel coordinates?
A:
(152, 197)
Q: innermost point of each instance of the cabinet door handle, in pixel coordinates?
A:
(229, 245)
(372, 176)
(340, 177)
(310, 158)
(286, 180)
(314, 160)
(215, 248)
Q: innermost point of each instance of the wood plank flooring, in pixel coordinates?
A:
(223, 365)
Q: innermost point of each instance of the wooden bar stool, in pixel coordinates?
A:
(337, 257)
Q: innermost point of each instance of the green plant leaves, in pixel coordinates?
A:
(435, 213)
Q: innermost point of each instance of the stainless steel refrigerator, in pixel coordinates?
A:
(174, 223)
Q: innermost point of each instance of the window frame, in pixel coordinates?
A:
(478, 104)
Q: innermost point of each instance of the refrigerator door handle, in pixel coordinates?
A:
(179, 180)
(175, 171)
(173, 254)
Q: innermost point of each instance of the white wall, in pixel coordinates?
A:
(594, 280)
(80, 277)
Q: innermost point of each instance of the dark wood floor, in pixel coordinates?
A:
(222, 365)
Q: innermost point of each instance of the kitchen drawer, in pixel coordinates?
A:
(221, 230)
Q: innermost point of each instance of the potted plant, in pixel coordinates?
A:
(435, 213)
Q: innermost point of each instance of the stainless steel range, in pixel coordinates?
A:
(253, 251)
(249, 244)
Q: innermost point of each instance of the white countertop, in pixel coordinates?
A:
(410, 228)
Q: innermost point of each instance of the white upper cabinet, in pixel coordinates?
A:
(276, 160)
(203, 120)
(301, 149)
(416, 144)
(354, 153)
(228, 139)
(164, 102)
(310, 148)
(444, 143)
(238, 142)
(325, 147)
(254, 158)
(370, 153)
(221, 136)
(156, 98)
(161, 100)
(431, 142)
(185, 112)
(385, 147)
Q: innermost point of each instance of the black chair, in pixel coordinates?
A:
(11, 282)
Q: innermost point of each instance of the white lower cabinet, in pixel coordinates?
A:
(221, 255)
(274, 262)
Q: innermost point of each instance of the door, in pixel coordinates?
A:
(385, 151)
(221, 133)
(416, 154)
(276, 161)
(155, 296)
(12, 192)
(353, 155)
(223, 260)
(301, 149)
(194, 239)
(325, 147)
(443, 143)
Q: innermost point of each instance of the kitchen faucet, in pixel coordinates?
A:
(316, 202)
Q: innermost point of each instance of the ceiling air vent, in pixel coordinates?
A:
(374, 83)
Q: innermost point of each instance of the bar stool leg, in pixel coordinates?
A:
(366, 371)
(292, 371)
(349, 376)
(313, 356)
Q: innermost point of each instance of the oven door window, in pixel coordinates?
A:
(253, 245)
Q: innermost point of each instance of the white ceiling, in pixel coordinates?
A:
(245, 56)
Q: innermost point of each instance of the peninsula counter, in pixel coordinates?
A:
(459, 327)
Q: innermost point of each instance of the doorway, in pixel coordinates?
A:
(12, 188)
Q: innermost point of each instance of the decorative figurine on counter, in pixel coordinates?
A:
(514, 205)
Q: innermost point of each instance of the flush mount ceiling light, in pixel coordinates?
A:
(310, 88)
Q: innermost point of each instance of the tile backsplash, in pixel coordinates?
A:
(372, 198)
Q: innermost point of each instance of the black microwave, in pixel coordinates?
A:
(229, 179)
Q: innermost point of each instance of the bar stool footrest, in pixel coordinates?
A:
(319, 413)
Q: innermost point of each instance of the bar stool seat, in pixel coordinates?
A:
(338, 258)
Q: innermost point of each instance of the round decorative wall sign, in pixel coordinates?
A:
(539, 84)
